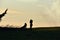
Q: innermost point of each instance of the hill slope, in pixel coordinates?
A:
(48, 33)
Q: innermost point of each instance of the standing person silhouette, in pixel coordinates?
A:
(31, 23)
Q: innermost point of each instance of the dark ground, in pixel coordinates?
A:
(51, 33)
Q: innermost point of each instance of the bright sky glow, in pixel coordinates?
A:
(43, 12)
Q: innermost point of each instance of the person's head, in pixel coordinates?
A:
(31, 21)
(25, 24)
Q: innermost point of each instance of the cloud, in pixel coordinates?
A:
(50, 13)
(44, 11)
(27, 0)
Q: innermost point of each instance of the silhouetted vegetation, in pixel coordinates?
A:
(23, 33)
(3, 14)
(52, 33)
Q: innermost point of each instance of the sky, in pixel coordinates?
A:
(45, 13)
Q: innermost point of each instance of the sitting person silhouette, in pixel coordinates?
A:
(31, 23)
(24, 27)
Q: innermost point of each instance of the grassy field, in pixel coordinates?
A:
(43, 33)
